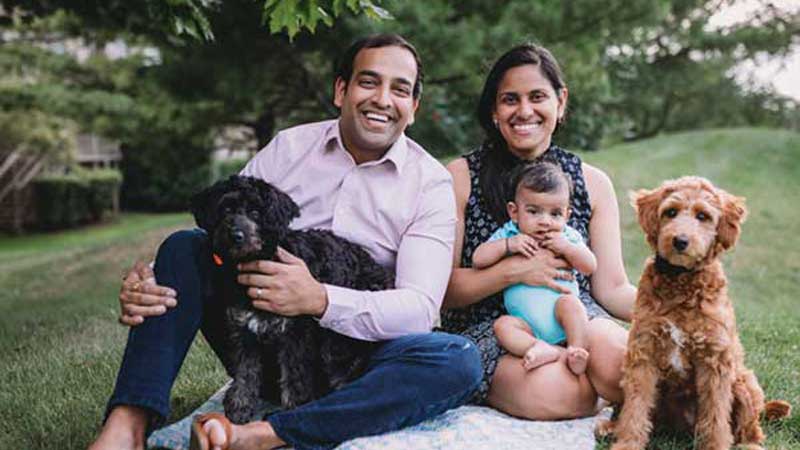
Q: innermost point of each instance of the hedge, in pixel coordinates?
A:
(82, 196)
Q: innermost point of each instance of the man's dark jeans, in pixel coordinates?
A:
(408, 380)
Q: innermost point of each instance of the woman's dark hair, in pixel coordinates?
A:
(540, 177)
(497, 159)
(344, 68)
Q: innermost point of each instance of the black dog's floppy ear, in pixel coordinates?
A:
(203, 205)
(280, 208)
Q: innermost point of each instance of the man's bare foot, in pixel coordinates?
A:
(577, 359)
(124, 430)
(250, 436)
(539, 354)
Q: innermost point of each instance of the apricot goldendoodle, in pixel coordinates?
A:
(684, 364)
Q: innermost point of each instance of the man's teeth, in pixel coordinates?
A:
(378, 117)
(526, 126)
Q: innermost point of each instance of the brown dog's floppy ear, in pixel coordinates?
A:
(733, 214)
(646, 205)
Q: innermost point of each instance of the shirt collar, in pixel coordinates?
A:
(396, 154)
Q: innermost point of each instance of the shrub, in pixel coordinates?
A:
(103, 192)
(79, 197)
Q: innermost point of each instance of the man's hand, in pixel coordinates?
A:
(141, 297)
(523, 244)
(286, 287)
(543, 269)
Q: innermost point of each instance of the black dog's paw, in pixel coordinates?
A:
(240, 407)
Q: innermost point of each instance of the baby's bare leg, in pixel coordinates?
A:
(571, 314)
(516, 337)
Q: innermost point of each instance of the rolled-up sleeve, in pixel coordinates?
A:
(424, 261)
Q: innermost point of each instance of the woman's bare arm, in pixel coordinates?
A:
(610, 285)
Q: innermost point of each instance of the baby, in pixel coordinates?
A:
(539, 216)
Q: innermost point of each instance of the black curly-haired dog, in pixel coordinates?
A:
(247, 219)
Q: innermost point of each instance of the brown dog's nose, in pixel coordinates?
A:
(680, 243)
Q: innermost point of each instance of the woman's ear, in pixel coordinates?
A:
(562, 103)
(646, 202)
(733, 214)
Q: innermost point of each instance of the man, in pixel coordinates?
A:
(363, 178)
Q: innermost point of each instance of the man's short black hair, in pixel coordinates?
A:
(344, 69)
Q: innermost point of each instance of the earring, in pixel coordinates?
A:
(496, 123)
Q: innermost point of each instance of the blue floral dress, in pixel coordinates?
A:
(476, 320)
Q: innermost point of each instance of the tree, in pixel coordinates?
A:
(634, 68)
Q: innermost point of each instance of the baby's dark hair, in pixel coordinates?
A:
(540, 177)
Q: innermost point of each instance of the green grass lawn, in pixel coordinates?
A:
(59, 338)
(61, 345)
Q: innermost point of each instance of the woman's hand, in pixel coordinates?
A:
(543, 269)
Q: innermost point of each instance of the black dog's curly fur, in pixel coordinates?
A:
(247, 219)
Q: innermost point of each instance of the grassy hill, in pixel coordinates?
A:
(61, 346)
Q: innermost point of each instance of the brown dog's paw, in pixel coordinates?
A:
(604, 428)
(777, 409)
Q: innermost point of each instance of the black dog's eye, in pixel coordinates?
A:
(703, 217)
(253, 213)
(670, 213)
(227, 210)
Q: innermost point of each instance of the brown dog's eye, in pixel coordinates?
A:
(670, 213)
(703, 217)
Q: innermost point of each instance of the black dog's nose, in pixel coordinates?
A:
(237, 236)
(680, 243)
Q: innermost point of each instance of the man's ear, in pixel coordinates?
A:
(733, 214)
(413, 112)
(646, 205)
(339, 89)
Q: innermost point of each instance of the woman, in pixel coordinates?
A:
(523, 101)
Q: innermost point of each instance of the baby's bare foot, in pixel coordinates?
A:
(539, 354)
(577, 359)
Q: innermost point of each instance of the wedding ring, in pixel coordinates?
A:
(258, 292)
(136, 286)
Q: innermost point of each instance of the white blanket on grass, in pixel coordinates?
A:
(467, 427)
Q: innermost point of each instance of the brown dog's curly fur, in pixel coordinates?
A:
(684, 365)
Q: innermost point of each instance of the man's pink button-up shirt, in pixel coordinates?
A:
(401, 208)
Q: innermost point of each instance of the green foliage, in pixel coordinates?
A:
(36, 133)
(224, 169)
(633, 68)
(104, 187)
(82, 196)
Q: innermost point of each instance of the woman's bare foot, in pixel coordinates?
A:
(539, 354)
(577, 359)
(250, 436)
(124, 430)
